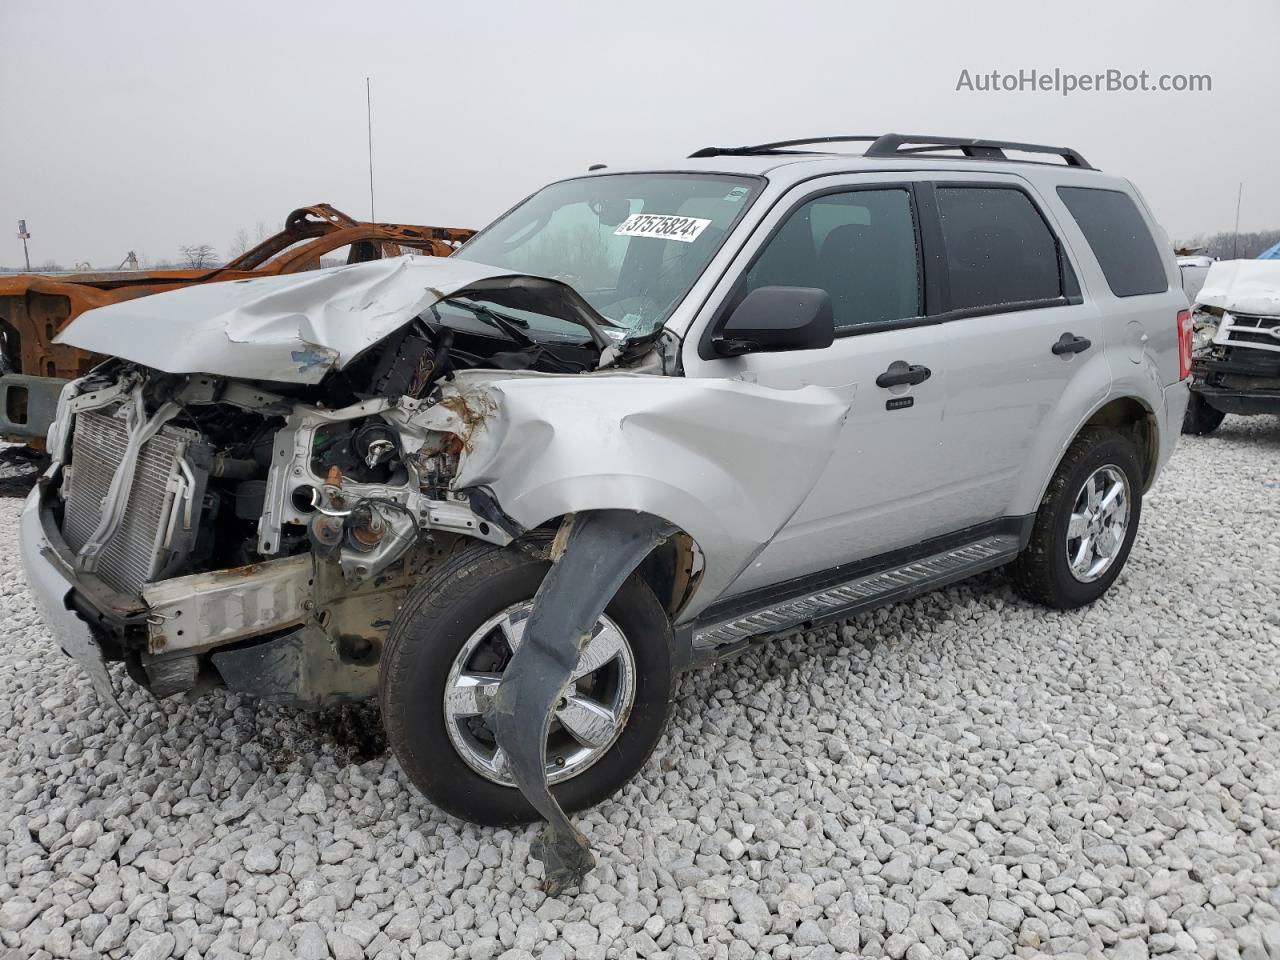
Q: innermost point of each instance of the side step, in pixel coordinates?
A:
(860, 593)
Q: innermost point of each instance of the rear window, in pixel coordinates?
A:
(999, 249)
(1128, 255)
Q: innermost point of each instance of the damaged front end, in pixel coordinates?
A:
(1236, 325)
(248, 497)
(246, 529)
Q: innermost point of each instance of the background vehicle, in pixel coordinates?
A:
(1236, 368)
(768, 387)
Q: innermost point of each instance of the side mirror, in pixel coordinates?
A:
(777, 318)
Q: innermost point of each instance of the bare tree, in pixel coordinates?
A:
(239, 245)
(197, 256)
(1227, 246)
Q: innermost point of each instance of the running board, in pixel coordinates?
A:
(862, 592)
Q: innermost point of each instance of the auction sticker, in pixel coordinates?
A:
(662, 226)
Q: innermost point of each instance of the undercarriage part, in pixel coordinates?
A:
(595, 552)
(171, 676)
(303, 668)
(378, 534)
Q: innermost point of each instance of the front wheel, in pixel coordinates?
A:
(445, 656)
(1086, 523)
(1201, 419)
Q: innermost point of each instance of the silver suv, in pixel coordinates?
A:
(641, 419)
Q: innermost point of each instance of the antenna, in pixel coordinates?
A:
(1235, 240)
(24, 237)
(368, 110)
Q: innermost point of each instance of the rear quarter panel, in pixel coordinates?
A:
(1140, 333)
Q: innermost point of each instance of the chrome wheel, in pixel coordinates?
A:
(587, 721)
(1099, 522)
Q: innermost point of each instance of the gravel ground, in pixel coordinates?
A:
(965, 775)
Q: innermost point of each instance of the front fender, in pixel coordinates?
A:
(726, 461)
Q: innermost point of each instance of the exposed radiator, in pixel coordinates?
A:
(157, 530)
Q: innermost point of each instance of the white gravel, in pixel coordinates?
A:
(965, 775)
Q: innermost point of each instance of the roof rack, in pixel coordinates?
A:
(898, 145)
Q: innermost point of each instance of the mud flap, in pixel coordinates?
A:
(590, 564)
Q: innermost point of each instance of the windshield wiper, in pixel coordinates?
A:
(513, 327)
(539, 295)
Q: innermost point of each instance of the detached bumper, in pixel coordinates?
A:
(1244, 381)
(1240, 400)
(51, 587)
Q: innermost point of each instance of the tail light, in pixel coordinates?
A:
(1184, 344)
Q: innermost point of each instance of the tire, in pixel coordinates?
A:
(1042, 572)
(1201, 419)
(430, 631)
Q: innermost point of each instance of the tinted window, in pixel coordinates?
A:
(1110, 221)
(859, 246)
(999, 249)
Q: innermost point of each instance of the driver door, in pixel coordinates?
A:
(885, 485)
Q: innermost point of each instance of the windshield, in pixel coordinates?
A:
(631, 244)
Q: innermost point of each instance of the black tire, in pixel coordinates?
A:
(1042, 573)
(438, 616)
(1201, 419)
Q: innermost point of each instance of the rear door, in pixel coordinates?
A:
(858, 238)
(1021, 340)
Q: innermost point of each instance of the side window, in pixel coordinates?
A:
(859, 246)
(1119, 237)
(999, 249)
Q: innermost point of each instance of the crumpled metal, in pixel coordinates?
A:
(601, 550)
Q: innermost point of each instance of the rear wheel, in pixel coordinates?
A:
(445, 656)
(1086, 523)
(1201, 419)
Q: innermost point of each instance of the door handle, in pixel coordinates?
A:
(1070, 343)
(900, 372)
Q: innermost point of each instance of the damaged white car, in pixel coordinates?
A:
(641, 419)
(1236, 364)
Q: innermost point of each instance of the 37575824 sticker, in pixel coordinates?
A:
(662, 226)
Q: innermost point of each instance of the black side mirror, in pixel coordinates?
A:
(777, 318)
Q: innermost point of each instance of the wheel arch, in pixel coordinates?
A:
(1134, 418)
(673, 570)
(1127, 414)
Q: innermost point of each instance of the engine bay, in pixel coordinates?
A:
(337, 468)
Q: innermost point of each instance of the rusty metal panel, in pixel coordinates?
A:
(209, 609)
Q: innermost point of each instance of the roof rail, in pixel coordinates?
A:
(898, 145)
(891, 144)
(778, 147)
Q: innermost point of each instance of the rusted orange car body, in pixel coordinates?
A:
(35, 307)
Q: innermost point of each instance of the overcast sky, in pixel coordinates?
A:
(144, 126)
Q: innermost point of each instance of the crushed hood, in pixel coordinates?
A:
(296, 328)
(1243, 286)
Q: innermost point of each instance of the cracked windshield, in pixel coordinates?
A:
(632, 245)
